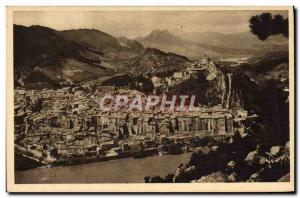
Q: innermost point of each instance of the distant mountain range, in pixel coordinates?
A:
(218, 45)
(44, 57)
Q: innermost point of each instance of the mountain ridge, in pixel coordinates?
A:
(217, 45)
(71, 56)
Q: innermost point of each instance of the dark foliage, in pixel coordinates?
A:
(265, 25)
(159, 179)
(139, 83)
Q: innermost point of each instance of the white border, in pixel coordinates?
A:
(95, 2)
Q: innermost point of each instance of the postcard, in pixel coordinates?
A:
(150, 99)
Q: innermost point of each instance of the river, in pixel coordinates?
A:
(128, 170)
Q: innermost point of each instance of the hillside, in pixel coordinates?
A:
(113, 51)
(71, 56)
(272, 66)
(156, 62)
(42, 50)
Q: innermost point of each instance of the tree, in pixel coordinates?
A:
(265, 25)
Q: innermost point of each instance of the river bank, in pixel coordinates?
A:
(127, 170)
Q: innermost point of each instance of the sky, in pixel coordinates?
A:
(137, 23)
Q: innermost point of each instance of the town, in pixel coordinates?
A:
(67, 124)
(74, 125)
(145, 104)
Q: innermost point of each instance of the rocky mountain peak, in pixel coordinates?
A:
(158, 36)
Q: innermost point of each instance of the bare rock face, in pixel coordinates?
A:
(232, 177)
(183, 171)
(231, 165)
(216, 177)
(252, 158)
(287, 147)
(274, 150)
(254, 178)
(262, 160)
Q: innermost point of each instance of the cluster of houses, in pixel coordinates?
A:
(68, 122)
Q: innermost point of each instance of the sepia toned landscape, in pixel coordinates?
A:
(151, 96)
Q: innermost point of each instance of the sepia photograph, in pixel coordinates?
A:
(150, 99)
